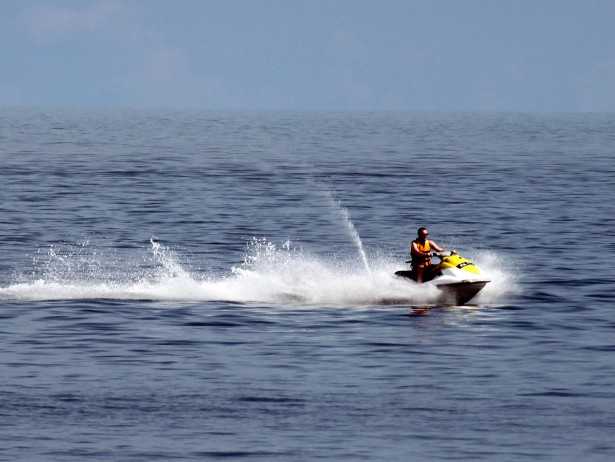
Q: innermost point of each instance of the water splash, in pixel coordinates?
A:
(275, 275)
(502, 273)
(354, 234)
(268, 274)
(344, 213)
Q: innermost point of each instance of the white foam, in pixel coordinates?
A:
(269, 274)
(502, 275)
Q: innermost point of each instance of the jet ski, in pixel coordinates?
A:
(458, 278)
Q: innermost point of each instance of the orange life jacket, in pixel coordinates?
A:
(426, 247)
(422, 247)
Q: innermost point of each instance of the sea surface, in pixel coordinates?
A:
(184, 285)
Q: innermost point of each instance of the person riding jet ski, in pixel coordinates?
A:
(421, 251)
(457, 278)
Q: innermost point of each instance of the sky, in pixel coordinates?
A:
(430, 55)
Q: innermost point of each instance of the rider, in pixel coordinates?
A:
(420, 250)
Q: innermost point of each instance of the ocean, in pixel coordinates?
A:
(186, 285)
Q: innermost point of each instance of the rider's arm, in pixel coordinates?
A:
(435, 246)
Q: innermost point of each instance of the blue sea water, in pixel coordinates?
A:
(181, 285)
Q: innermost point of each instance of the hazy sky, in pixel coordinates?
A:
(513, 55)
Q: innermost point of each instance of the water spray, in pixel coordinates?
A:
(350, 228)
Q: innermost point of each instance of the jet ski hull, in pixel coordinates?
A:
(460, 293)
(457, 278)
(452, 293)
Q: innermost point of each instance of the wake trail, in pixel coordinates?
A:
(268, 274)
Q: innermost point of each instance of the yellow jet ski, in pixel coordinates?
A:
(458, 278)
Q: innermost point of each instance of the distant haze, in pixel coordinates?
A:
(310, 54)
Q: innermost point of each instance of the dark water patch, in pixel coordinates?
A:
(608, 296)
(601, 348)
(429, 410)
(214, 323)
(554, 393)
(382, 344)
(110, 328)
(526, 325)
(66, 398)
(225, 320)
(229, 454)
(602, 449)
(542, 296)
(27, 364)
(269, 399)
(79, 453)
(178, 342)
(142, 456)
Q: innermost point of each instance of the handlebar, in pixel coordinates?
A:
(438, 254)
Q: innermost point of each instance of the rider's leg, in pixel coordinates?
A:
(419, 271)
